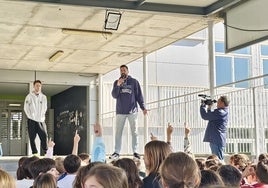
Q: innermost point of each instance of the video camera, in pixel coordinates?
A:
(206, 99)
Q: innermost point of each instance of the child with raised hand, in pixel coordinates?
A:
(169, 131)
(98, 151)
(50, 149)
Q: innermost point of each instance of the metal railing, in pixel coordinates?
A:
(247, 127)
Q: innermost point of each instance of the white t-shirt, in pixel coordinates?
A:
(24, 183)
(67, 181)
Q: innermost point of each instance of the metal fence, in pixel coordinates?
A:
(247, 127)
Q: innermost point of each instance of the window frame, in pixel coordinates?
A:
(233, 56)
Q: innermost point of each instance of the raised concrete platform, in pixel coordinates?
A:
(10, 164)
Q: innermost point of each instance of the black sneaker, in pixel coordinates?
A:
(136, 156)
(114, 156)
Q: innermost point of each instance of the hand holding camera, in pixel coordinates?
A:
(207, 99)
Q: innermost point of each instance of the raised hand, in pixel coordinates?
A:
(187, 130)
(76, 137)
(153, 137)
(97, 129)
(50, 143)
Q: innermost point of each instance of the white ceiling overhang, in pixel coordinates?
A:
(31, 31)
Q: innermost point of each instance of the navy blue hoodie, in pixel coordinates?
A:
(127, 96)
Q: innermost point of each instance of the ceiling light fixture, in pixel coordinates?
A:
(83, 32)
(112, 20)
(15, 105)
(56, 55)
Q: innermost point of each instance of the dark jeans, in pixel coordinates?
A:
(217, 150)
(40, 129)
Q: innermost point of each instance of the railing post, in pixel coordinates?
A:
(259, 130)
(211, 58)
(145, 95)
(100, 98)
(255, 123)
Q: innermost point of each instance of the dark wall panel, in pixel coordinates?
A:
(69, 115)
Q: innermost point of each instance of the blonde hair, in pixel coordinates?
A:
(81, 173)
(45, 181)
(59, 164)
(179, 170)
(108, 176)
(156, 151)
(240, 161)
(6, 181)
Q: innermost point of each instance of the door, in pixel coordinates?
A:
(12, 132)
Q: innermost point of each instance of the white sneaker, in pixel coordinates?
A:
(136, 157)
(114, 156)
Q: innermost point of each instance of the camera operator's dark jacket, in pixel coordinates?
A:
(127, 96)
(217, 125)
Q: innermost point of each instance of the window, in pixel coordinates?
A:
(241, 68)
(264, 50)
(232, 68)
(223, 70)
(219, 47)
(185, 42)
(246, 51)
(265, 71)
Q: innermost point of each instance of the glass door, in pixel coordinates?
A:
(12, 132)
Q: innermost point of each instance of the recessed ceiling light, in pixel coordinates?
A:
(56, 55)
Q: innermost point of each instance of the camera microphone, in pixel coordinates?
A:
(123, 76)
(202, 95)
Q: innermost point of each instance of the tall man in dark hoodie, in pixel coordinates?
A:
(127, 92)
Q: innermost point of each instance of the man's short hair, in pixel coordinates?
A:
(41, 166)
(225, 100)
(83, 156)
(71, 163)
(37, 81)
(230, 175)
(123, 66)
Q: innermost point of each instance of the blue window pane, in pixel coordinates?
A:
(241, 71)
(219, 47)
(223, 70)
(264, 49)
(265, 71)
(189, 43)
(246, 50)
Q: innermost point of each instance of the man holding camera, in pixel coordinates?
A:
(217, 124)
(127, 92)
